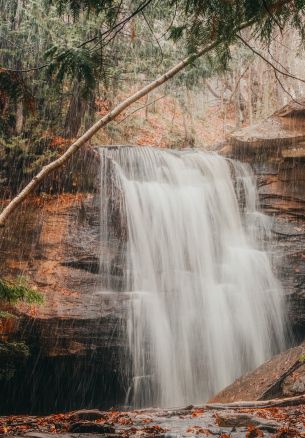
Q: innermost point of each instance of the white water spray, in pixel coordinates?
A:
(206, 305)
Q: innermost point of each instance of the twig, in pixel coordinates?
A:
(289, 75)
(285, 90)
(153, 34)
(141, 107)
(276, 385)
(278, 62)
(172, 22)
(272, 16)
(139, 9)
(237, 83)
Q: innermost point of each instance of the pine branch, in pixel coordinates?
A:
(106, 33)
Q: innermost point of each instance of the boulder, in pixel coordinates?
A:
(268, 380)
(244, 420)
(87, 414)
(90, 427)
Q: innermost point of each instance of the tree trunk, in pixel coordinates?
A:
(19, 104)
(258, 404)
(19, 116)
(75, 112)
(17, 18)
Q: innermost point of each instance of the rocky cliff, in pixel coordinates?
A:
(275, 149)
(77, 337)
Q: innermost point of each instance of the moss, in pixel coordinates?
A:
(18, 291)
(14, 354)
(4, 314)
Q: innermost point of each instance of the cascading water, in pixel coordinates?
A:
(206, 306)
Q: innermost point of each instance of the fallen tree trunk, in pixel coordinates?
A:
(260, 404)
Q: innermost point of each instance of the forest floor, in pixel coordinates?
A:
(276, 422)
(176, 127)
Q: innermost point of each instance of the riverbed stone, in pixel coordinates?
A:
(243, 420)
(91, 427)
(87, 414)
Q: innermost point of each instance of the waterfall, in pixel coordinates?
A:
(205, 304)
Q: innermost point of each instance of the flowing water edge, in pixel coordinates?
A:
(207, 306)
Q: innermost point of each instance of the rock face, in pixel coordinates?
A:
(275, 149)
(77, 337)
(274, 378)
(282, 197)
(283, 130)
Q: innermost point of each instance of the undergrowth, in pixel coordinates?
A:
(12, 292)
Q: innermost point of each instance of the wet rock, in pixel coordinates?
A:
(275, 150)
(266, 136)
(283, 130)
(70, 435)
(40, 435)
(294, 384)
(244, 420)
(266, 381)
(87, 414)
(90, 264)
(77, 337)
(90, 427)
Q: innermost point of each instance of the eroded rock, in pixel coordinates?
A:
(87, 414)
(275, 136)
(244, 420)
(90, 427)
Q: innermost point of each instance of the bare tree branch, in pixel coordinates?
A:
(284, 73)
(285, 89)
(141, 107)
(272, 16)
(153, 34)
(211, 90)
